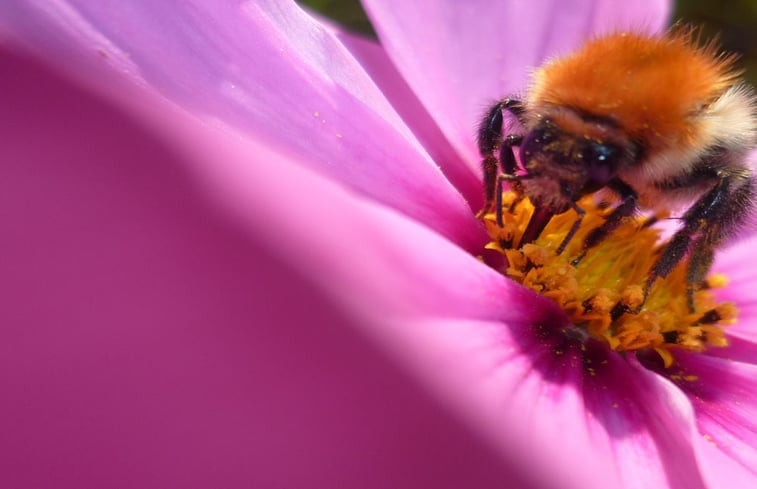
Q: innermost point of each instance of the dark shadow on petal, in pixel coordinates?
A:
(562, 356)
(738, 349)
(617, 395)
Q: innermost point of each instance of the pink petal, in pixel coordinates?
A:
(593, 418)
(718, 469)
(724, 395)
(266, 68)
(735, 262)
(375, 60)
(161, 330)
(460, 56)
(164, 312)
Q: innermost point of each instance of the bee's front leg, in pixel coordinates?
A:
(489, 141)
(626, 208)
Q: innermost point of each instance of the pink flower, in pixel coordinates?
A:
(238, 251)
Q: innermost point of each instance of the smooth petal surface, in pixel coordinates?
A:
(735, 263)
(724, 395)
(582, 413)
(153, 336)
(264, 67)
(375, 60)
(460, 56)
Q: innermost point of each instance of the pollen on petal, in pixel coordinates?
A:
(606, 292)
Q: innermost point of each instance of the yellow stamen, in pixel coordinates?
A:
(603, 293)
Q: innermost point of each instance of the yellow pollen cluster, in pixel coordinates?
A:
(603, 292)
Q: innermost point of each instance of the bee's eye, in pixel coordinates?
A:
(599, 154)
(601, 162)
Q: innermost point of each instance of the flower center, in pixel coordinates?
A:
(603, 293)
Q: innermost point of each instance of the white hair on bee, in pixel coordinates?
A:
(731, 121)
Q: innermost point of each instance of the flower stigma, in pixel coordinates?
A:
(603, 293)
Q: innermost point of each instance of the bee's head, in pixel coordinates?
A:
(562, 166)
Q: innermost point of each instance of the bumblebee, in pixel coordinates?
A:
(656, 120)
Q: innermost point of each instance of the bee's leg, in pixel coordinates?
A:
(626, 208)
(710, 220)
(539, 220)
(700, 261)
(573, 229)
(541, 217)
(508, 165)
(507, 155)
(514, 182)
(696, 218)
(490, 140)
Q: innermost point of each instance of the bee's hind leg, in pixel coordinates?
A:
(711, 219)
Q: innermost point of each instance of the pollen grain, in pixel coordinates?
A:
(603, 293)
